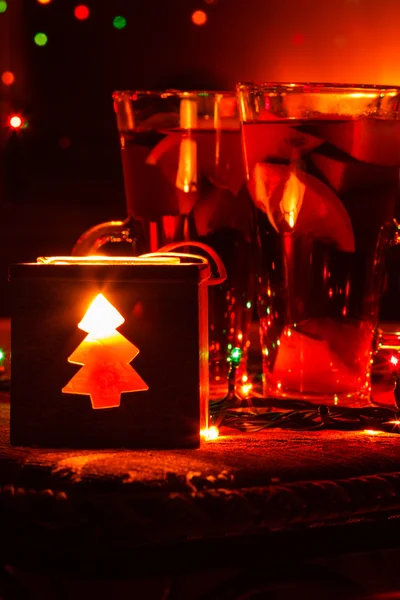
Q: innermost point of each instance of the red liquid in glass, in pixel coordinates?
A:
(325, 193)
(200, 196)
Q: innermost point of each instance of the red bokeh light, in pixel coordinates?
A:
(64, 142)
(8, 78)
(15, 122)
(81, 12)
(199, 17)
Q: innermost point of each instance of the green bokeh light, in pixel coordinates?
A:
(41, 39)
(2, 355)
(3, 6)
(248, 304)
(119, 22)
(236, 355)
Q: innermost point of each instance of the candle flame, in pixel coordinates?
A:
(105, 356)
(101, 317)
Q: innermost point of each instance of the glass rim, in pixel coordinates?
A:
(315, 87)
(169, 93)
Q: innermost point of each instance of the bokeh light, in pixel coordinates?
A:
(15, 121)
(44, 1)
(199, 17)
(211, 433)
(3, 6)
(81, 12)
(41, 39)
(64, 142)
(119, 22)
(8, 78)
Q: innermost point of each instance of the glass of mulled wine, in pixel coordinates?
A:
(322, 164)
(185, 182)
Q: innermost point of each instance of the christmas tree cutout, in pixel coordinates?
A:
(105, 355)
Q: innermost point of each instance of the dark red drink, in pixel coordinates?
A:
(190, 186)
(325, 189)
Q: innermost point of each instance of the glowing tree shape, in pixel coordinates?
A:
(105, 355)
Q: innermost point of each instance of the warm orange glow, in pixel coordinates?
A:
(101, 317)
(199, 17)
(371, 432)
(186, 177)
(292, 199)
(187, 171)
(367, 94)
(389, 346)
(105, 355)
(394, 423)
(44, 1)
(8, 78)
(144, 259)
(246, 388)
(212, 433)
(245, 378)
(15, 122)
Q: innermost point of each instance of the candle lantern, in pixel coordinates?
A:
(110, 352)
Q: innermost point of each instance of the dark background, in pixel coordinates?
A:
(62, 173)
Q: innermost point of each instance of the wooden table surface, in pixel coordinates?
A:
(237, 485)
(239, 502)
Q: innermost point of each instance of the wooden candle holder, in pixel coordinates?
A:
(109, 355)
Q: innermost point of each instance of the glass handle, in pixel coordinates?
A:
(218, 277)
(99, 235)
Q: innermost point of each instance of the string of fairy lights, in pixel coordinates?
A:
(251, 413)
(248, 412)
(81, 12)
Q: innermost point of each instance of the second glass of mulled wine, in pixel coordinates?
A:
(322, 166)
